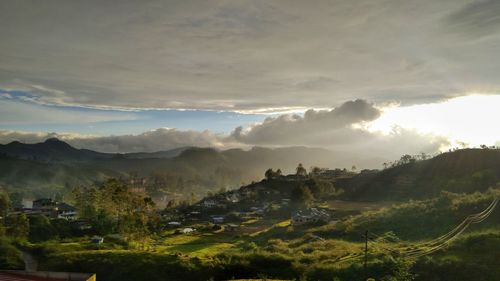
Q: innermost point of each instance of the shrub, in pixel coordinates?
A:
(10, 256)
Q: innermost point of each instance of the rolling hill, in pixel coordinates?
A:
(56, 163)
(465, 170)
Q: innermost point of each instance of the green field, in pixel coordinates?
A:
(402, 239)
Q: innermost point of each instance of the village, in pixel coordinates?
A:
(249, 209)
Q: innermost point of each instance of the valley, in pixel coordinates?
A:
(319, 224)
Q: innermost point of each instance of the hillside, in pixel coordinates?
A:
(461, 171)
(466, 170)
(55, 150)
(41, 178)
(56, 163)
(52, 150)
(332, 251)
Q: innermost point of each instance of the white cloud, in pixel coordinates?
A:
(341, 129)
(471, 119)
(7, 136)
(15, 112)
(358, 130)
(310, 129)
(155, 140)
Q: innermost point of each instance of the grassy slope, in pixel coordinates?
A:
(465, 170)
(320, 253)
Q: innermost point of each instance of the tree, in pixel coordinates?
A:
(10, 256)
(423, 156)
(112, 206)
(86, 201)
(405, 159)
(41, 229)
(17, 226)
(5, 204)
(301, 171)
(302, 196)
(130, 210)
(400, 272)
(315, 171)
(269, 174)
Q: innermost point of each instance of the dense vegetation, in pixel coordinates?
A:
(54, 167)
(466, 170)
(139, 246)
(285, 252)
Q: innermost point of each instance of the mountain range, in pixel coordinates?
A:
(56, 163)
(43, 167)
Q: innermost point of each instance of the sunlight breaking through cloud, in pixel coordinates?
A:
(471, 119)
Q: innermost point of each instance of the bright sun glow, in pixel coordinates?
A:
(472, 119)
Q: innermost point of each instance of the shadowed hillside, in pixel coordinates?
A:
(465, 170)
(55, 163)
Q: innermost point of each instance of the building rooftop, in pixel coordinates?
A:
(19, 275)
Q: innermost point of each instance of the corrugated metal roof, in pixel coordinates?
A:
(21, 275)
(16, 277)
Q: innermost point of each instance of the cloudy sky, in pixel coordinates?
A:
(151, 75)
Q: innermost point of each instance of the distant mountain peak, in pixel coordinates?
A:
(14, 143)
(53, 140)
(57, 143)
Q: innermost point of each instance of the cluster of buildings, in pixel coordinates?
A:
(51, 209)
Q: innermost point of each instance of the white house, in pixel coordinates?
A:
(209, 203)
(311, 215)
(218, 219)
(187, 230)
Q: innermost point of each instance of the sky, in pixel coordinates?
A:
(377, 77)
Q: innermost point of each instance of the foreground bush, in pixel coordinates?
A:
(10, 256)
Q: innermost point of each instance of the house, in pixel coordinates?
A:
(187, 230)
(209, 203)
(294, 177)
(231, 227)
(335, 173)
(173, 224)
(83, 225)
(311, 215)
(65, 211)
(243, 214)
(217, 219)
(21, 275)
(27, 203)
(52, 209)
(44, 204)
(232, 198)
(97, 240)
